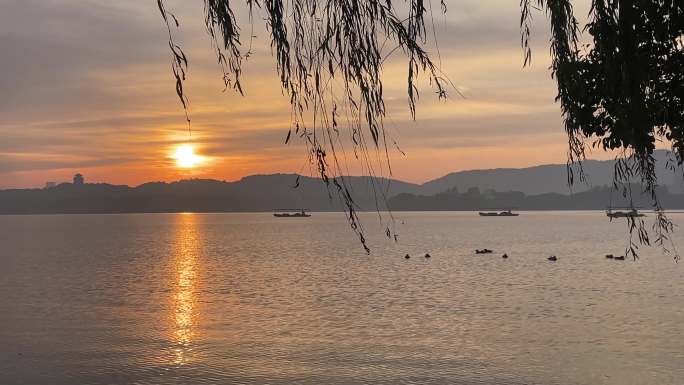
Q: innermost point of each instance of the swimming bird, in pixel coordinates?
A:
(552, 258)
(427, 255)
(620, 258)
(407, 256)
(609, 256)
(504, 256)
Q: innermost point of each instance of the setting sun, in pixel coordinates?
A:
(185, 156)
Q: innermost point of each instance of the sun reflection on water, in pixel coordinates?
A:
(185, 312)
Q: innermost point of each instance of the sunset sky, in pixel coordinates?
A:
(86, 86)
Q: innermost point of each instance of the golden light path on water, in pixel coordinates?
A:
(185, 312)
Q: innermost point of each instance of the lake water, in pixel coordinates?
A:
(252, 299)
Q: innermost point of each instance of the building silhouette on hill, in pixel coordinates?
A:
(78, 179)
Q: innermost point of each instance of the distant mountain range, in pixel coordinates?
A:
(550, 178)
(252, 193)
(540, 187)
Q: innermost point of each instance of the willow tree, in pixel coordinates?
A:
(623, 91)
(620, 85)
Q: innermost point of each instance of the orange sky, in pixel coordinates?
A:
(90, 90)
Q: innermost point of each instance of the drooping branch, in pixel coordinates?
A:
(329, 57)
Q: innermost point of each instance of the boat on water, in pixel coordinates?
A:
(632, 213)
(498, 213)
(289, 213)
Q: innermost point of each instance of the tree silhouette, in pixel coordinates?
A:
(624, 90)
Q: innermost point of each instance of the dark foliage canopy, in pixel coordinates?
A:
(622, 90)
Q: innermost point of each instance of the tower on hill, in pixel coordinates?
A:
(78, 179)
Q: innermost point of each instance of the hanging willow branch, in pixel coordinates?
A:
(329, 56)
(624, 91)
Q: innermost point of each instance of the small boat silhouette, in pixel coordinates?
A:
(291, 213)
(631, 213)
(498, 213)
